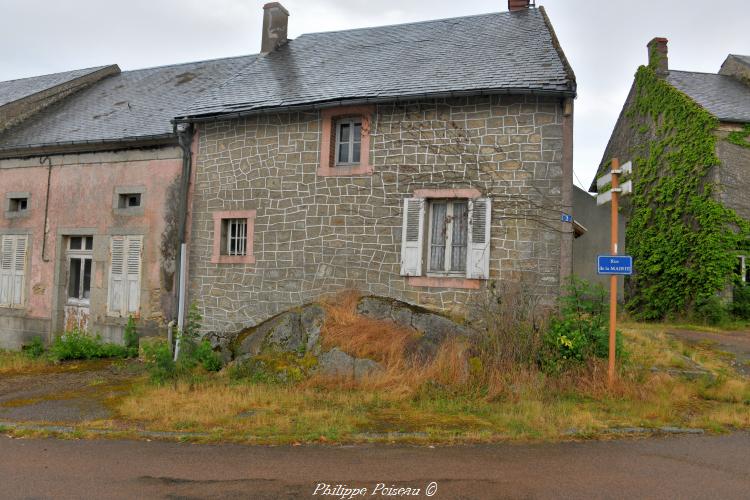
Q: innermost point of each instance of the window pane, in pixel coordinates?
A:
(87, 278)
(74, 284)
(75, 242)
(89, 242)
(343, 156)
(437, 237)
(344, 132)
(357, 132)
(355, 152)
(460, 233)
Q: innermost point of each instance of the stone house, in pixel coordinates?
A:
(91, 181)
(422, 162)
(725, 98)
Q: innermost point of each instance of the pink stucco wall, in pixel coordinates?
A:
(82, 197)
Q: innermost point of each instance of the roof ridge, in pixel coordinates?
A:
(411, 23)
(91, 69)
(696, 72)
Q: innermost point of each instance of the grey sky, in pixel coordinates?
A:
(604, 40)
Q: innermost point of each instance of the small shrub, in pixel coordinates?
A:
(741, 302)
(159, 362)
(131, 334)
(35, 349)
(581, 330)
(208, 359)
(711, 311)
(78, 345)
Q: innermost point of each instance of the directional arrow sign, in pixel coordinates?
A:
(614, 264)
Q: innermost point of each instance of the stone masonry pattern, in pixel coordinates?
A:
(319, 235)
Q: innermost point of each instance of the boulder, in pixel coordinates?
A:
(337, 363)
(295, 331)
(433, 327)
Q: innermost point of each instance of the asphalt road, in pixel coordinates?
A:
(676, 467)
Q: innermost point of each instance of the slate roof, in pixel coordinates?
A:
(507, 51)
(13, 90)
(130, 105)
(725, 97)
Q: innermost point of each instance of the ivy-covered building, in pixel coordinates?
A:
(687, 134)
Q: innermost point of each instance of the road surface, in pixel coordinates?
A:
(673, 467)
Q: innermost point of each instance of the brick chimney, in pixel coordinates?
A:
(515, 5)
(275, 21)
(658, 59)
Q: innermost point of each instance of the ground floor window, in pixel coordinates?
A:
(80, 257)
(448, 237)
(13, 251)
(125, 275)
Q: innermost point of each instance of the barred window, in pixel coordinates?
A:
(234, 237)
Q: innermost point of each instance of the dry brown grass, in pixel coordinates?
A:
(12, 362)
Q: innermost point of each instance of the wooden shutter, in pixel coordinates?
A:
(6, 270)
(412, 236)
(478, 254)
(133, 274)
(116, 275)
(19, 270)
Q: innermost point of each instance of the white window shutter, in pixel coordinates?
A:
(116, 275)
(480, 222)
(19, 270)
(133, 274)
(6, 270)
(411, 237)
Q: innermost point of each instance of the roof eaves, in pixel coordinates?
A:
(222, 115)
(556, 43)
(63, 147)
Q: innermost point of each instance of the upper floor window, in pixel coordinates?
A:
(129, 200)
(345, 141)
(348, 141)
(17, 205)
(448, 236)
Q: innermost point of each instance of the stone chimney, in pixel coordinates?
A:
(275, 21)
(658, 59)
(737, 67)
(515, 5)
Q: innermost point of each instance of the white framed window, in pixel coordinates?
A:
(348, 141)
(80, 261)
(743, 268)
(13, 251)
(456, 241)
(125, 275)
(234, 237)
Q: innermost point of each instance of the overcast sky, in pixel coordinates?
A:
(603, 40)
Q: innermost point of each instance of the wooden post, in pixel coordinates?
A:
(613, 278)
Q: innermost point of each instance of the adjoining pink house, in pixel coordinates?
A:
(91, 172)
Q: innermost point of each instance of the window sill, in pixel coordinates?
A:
(233, 259)
(129, 211)
(344, 171)
(444, 282)
(16, 214)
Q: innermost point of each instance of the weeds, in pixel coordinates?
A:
(78, 345)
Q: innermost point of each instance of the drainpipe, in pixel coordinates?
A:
(185, 138)
(46, 205)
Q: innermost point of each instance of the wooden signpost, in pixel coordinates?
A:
(614, 264)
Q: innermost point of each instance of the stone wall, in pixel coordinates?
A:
(734, 191)
(318, 235)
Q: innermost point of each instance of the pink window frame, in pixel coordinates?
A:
(217, 257)
(327, 166)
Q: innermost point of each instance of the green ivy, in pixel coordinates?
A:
(682, 239)
(740, 137)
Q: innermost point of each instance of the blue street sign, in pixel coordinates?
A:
(566, 218)
(614, 264)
